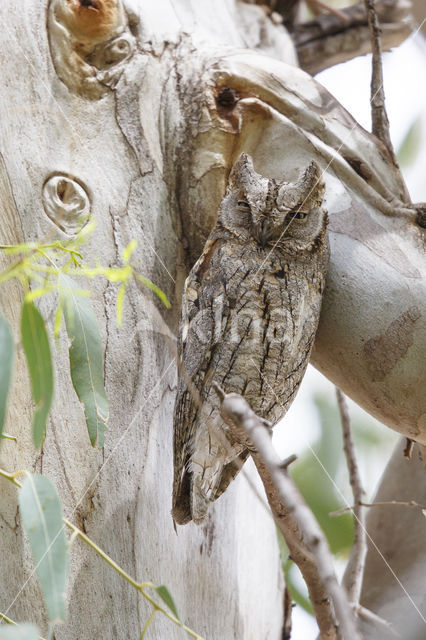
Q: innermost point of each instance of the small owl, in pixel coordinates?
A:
(250, 312)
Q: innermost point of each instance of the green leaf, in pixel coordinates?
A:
(127, 252)
(158, 292)
(19, 632)
(120, 303)
(86, 360)
(411, 144)
(166, 597)
(37, 351)
(42, 518)
(7, 359)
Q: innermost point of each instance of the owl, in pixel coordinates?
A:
(250, 312)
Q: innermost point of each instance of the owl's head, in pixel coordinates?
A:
(273, 213)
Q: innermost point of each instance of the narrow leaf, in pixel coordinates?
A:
(42, 518)
(37, 351)
(6, 436)
(58, 320)
(19, 632)
(158, 292)
(166, 597)
(86, 360)
(120, 303)
(7, 358)
(411, 144)
(127, 253)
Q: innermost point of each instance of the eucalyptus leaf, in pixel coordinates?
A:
(167, 598)
(411, 144)
(19, 632)
(7, 359)
(86, 361)
(158, 292)
(41, 513)
(39, 359)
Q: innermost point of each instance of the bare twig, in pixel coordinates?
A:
(318, 6)
(304, 537)
(355, 569)
(288, 461)
(288, 608)
(373, 618)
(379, 117)
(389, 503)
(328, 40)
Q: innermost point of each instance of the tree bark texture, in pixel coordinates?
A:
(396, 560)
(147, 105)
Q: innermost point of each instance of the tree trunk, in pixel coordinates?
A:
(394, 581)
(131, 107)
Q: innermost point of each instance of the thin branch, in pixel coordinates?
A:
(303, 535)
(389, 503)
(328, 40)
(288, 608)
(355, 569)
(373, 618)
(319, 6)
(139, 586)
(379, 117)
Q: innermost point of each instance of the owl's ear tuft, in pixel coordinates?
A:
(242, 173)
(311, 179)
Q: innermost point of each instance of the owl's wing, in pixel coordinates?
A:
(229, 472)
(204, 306)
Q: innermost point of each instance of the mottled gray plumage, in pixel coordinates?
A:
(249, 315)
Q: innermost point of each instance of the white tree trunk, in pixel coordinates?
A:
(145, 135)
(394, 581)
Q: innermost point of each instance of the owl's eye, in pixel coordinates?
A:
(298, 215)
(242, 204)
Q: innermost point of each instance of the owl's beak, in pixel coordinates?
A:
(265, 232)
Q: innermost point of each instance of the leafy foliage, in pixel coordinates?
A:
(411, 144)
(19, 632)
(7, 357)
(85, 358)
(42, 518)
(39, 359)
(166, 597)
(45, 268)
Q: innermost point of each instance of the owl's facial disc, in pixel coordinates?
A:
(269, 228)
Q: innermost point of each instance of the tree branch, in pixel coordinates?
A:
(355, 569)
(379, 117)
(303, 536)
(389, 503)
(328, 39)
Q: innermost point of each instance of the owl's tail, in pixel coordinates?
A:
(199, 487)
(207, 487)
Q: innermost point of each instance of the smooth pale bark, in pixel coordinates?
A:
(147, 140)
(394, 581)
(224, 575)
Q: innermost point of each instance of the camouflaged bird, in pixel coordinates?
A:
(250, 312)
